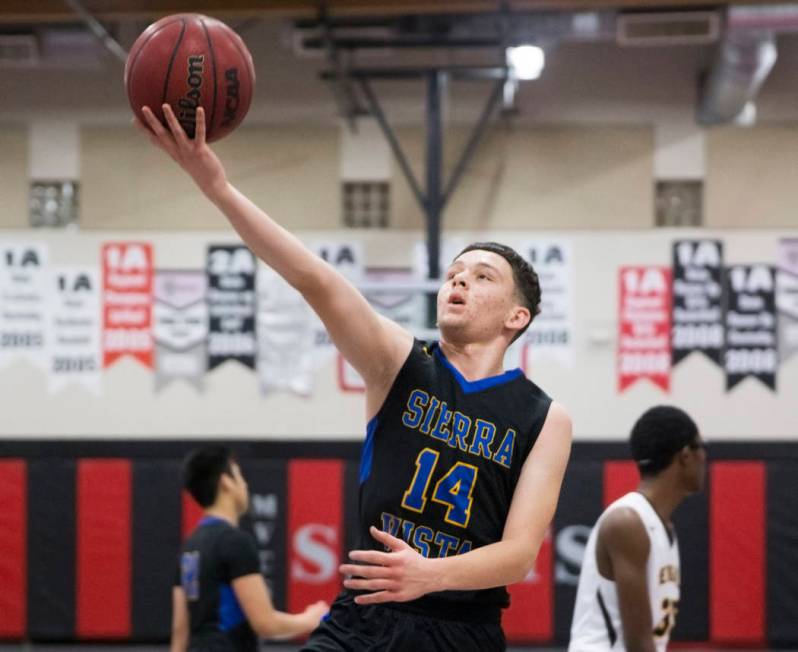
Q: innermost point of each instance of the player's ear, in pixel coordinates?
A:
(519, 317)
(226, 482)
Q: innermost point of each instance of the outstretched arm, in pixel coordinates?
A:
(265, 620)
(403, 574)
(374, 345)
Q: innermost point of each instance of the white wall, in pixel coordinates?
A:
(232, 405)
(610, 120)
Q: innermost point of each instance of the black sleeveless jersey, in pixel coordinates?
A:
(213, 556)
(440, 464)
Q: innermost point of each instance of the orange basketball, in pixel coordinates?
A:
(188, 61)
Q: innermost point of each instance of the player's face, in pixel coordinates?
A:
(240, 490)
(697, 466)
(478, 296)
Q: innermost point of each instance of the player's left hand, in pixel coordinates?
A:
(396, 576)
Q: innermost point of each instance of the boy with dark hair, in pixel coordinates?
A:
(628, 594)
(220, 601)
(463, 461)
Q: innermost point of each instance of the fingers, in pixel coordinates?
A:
(370, 585)
(360, 570)
(138, 124)
(376, 598)
(153, 123)
(178, 133)
(371, 557)
(387, 540)
(199, 129)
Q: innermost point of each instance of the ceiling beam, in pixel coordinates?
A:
(25, 11)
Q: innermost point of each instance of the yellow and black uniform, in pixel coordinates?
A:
(440, 464)
(213, 556)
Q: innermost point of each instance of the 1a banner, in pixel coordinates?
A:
(551, 332)
(285, 336)
(231, 305)
(181, 327)
(644, 347)
(787, 297)
(751, 324)
(74, 328)
(23, 302)
(127, 302)
(697, 300)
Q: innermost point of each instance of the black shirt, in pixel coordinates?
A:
(440, 464)
(213, 556)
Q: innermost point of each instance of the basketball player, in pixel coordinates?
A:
(220, 601)
(628, 595)
(462, 463)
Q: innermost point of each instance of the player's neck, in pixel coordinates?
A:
(662, 495)
(475, 360)
(223, 511)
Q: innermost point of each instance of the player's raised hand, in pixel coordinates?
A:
(396, 576)
(193, 155)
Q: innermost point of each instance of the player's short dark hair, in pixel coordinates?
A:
(202, 469)
(659, 434)
(527, 284)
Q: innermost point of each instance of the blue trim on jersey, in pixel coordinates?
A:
(471, 386)
(367, 455)
(210, 520)
(230, 614)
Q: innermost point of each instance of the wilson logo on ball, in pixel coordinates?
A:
(193, 98)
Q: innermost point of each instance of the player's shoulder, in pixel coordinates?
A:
(234, 534)
(558, 415)
(622, 527)
(233, 542)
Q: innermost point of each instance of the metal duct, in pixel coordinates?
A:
(744, 60)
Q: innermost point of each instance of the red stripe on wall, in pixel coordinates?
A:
(103, 550)
(737, 552)
(13, 548)
(191, 515)
(620, 477)
(530, 616)
(315, 517)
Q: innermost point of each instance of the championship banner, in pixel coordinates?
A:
(551, 332)
(74, 328)
(181, 327)
(127, 302)
(751, 324)
(231, 305)
(787, 297)
(23, 302)
(644, 326)
(697, 299)
(285, 336)
(349, 259)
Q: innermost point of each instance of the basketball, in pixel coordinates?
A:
(188, 61)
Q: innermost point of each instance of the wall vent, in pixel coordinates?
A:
(668, 28)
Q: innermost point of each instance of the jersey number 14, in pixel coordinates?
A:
(454, 490)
